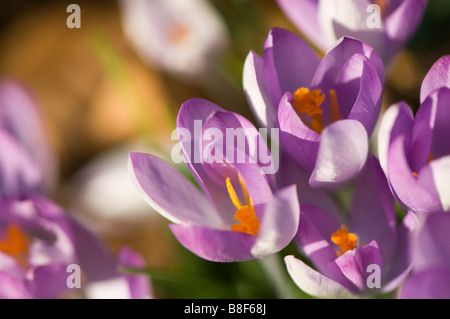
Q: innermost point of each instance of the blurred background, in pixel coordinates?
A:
(101, 96)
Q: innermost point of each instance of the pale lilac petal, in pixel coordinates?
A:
(19, 115)
(291, 173)
(289, 63)
(440, 113)
(235, 137)
(342, 153)
(372, 213)
(440, 169)
(401, 24)
(256, 93)
(366, 107)
(396, 120)
(433, 283)
(215, 245)
(331, 65)
(313, 282)
(432, 248)
(19, 173)
(437, 77)
(140, 285)
(279, 224)
(354, 263)
(406, 187)
(304, 15)
(298, 140)
(169, 192)
(192, 116)
(400, 264)
(13, 288)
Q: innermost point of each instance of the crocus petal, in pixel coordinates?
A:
(290, 173)
(431, 283)
(19, 115)
(438, 121)
(402, 23)
(13, 288)
(238, 137)
(215, 245)
(289, 63)
(432, 247)
(304, 15)
(438, 76)
(366, 107)
(342, 153)
(140, 285)
(354, 263)
(19, 173)
(279, 223)
(299, 141)
(440, 169)
(169, 192)
(192, 116)
(313, 282)
(408, 190)
(49, 281)
(344, 12)
(399, 266)
(398, 119)
(372, 212)
(333, 61)
(255, 91)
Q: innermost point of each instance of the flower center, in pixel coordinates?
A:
(245, 214)
(307, 104)
(430, 158)
(178, 34)
(346, 241)
(15, 243)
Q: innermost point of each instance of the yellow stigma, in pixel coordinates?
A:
(16, 244)
(307, 103)
(245, 214)
(345, 240)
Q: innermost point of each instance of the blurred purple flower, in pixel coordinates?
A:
(415, 152)
(181, 37)
(239, 215)
(348, 252)
(386, 25)
(29, 164)
(325, 109)
(38, 243)
(430, 278)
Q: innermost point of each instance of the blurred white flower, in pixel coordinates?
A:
(181, 37)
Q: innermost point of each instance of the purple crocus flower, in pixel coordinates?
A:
(239, 214)
(41, 245)
(386, 25)
(430, 278)
(415, 151)
(325, 109)
(360, 254)
(30, 160)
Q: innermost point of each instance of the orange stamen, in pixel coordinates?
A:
(16, 244)
(345, 240)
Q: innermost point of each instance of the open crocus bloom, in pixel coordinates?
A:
(415, 152)
(430, 277)
(363, 254)
(239, 214)
(386, 25)
(325, 109)
(182, 37)
(39, 243)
